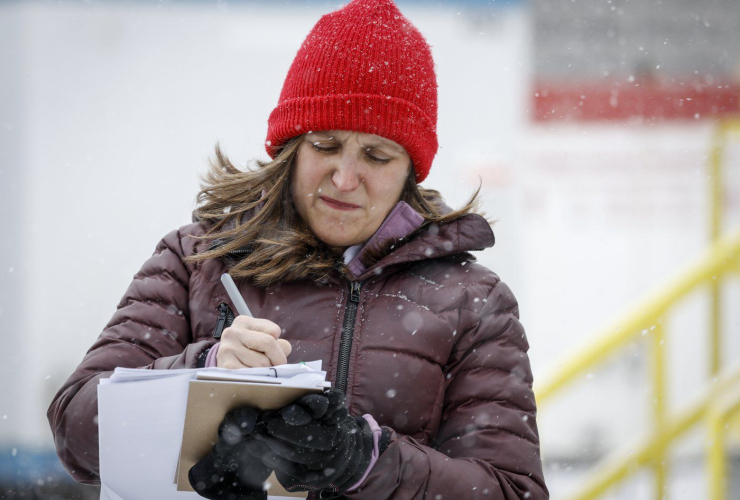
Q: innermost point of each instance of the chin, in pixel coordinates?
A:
(333, 238)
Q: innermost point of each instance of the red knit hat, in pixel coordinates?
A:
(363, 68)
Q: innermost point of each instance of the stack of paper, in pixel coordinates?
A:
(155, 424)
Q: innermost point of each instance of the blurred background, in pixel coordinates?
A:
(605, 136)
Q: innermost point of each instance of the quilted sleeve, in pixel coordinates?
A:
(150, 329)
(487, 446)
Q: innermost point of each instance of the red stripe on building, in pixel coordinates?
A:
(614, 101)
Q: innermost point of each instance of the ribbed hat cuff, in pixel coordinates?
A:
(392, 118)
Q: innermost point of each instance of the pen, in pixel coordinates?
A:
(234, 295)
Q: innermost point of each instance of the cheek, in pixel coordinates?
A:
(302, 184)
(299, 194)
(386, 194)
(394, 184)
(307, 177)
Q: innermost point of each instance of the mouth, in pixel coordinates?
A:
(338, 205)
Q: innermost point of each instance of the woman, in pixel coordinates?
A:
(342, 257)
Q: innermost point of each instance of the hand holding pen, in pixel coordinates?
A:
(249, 342)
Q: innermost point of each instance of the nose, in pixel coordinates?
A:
(346, 176)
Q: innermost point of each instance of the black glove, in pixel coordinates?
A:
(231, 471)
(314, 444)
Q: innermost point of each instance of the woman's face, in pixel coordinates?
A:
(344, 184)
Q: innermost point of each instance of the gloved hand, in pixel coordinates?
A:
(315, 444)
(232, 471)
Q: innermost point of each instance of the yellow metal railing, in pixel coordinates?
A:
(718, 416)
(715, 406)
(644, 318)
(722, 134)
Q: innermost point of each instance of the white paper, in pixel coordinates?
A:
(134, 374)
(280, 371)
(108, 494)
(140, 426)
(141, 415)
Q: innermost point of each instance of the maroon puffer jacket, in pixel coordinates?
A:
(432, 348)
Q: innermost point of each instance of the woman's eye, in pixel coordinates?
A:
(375, 159)
(322, 148)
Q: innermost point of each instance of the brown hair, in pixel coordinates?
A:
(277, 245)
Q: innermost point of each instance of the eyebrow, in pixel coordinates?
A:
(393, 148)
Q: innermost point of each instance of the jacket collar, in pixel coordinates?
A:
(398, 225)
(468, 233)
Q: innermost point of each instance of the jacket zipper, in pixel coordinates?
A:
(225, 319)
(348, 330)
(237, 251)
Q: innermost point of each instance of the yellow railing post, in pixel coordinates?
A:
(715, 332)
(718, 416)
(660, 464)
(716, 197)
(716, 456)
